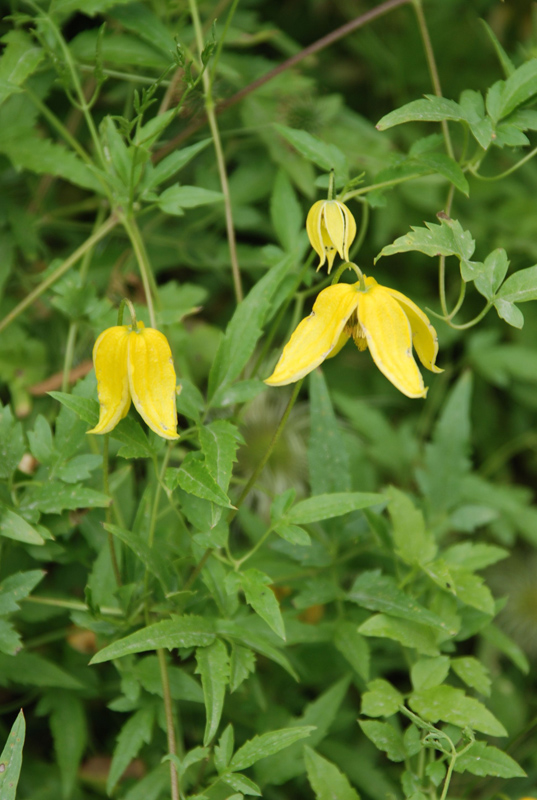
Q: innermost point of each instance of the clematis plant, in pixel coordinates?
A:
(376, 317)
(135, 363)
(331, 228)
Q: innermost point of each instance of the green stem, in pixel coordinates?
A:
(507, 172)
(71, 605)
(58, 125)
(211, 116)
(108, 514)
(220, 45)
(442, 262)
(146, 273)
(433, 71)
(460, 301)
(239, 562)
(365, 189)
(110, 223)
(473, 321)
(170, 728)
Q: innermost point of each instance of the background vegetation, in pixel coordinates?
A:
(381, 565)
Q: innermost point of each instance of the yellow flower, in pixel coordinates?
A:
(381, 319)
(331, 227)
(137, 365)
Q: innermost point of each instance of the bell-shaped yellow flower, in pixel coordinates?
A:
(135, 364)
(331, 228)
(381, 319)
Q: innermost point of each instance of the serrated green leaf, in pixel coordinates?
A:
(182, 685)
(33, 670)
(44, 156)
(446, 239)
(10, 640)
(170, 165)
(54, 497)
(495, 268)
(68, 727)
(135, 732)
(482, 759)
(256, 587)
(385, 738)
(16, 588)
(353, 647)
(381, 699)
(326, 156)
(224, 749)
(430, 109)
(473, 673)
(473, 556)
(285, 212)
(408, 633)
(179, 632)
(256, 641)
(325, 778)
(176, 198)
(11, 442)
(380, 593)
(245, 328)
(214, 668)
(85, 407)
(20, 59)
(243, 784)
(327, 506)
(509, 312)
(155, 561)
(13, 526)
(451, 705)
(519, 87)
(446, 458)
(414, 544)
(521, 286)
(506, 645)
(194, 477)
(242, 665)
(428, 672)
(11, 759)
(267, 744)
(446, 166)
(79, 468)
(293, 534)
(328, 459)
(41, 441)
(219, 442)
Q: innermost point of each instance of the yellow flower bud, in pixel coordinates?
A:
(380, 319)
(135, 365)
(331, 228)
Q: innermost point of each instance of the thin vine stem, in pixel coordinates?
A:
(220, 160)
(433, 71)
(146, 273)
(507, 172)
(64, 267)
(170, 726)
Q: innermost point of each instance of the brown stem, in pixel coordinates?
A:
(320, 44)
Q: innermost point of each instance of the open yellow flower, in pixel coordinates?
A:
(135, 364)
(381, 319)
(331, 228)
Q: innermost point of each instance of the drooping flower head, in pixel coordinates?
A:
(331, 228)
(135, 363)
(380, 319)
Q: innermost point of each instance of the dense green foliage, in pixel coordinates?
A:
(322, 593)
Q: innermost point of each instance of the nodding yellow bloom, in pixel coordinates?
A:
(381, 319)
(135, 365)
(331, 228)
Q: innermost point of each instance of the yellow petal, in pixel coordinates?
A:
(317, 335)
(334, 222)
(350, 231)
(152, 380)
(313, 228)
(110, 361)
(389, 338)
(423, 334)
